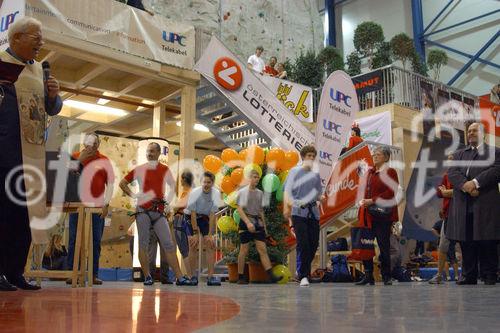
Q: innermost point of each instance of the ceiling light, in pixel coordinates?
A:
(102, 101)
(95, 108)
(197, 127)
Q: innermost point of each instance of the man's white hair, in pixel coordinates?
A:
(22, 25)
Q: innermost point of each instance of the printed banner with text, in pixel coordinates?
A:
(256, 102)
(296, 97)
(336, 114)
(10, 11)
(376, 128)
(118, 26)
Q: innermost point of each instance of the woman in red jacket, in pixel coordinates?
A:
(378, 210)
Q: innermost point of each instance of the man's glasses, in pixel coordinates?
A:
(36, 38)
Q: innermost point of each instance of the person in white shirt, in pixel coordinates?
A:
(255, 62)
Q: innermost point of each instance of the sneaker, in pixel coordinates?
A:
(96, 281)
(184, 281)
(148, 281)
(243, 281)
(304, 282)
(436, 280)
(213, 281)
(194, 281)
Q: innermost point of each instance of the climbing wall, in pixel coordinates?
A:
(282, 27)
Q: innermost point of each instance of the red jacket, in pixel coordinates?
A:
(446, 201)
(373, 182)
(354, 141)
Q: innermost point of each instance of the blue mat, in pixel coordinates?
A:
(115, 274)
(428, 273)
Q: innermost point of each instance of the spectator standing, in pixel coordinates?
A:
(255, 61)
(475, 210)
(269, 69)
(380, 192)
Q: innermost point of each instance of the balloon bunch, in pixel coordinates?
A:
(232, 171)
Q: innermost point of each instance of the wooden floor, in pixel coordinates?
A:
(111, 310)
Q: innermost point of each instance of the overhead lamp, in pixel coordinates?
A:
(95, 108)
(102, 101)
(197, 127)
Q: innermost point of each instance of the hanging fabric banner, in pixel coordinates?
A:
(337, 111)
(10, 11)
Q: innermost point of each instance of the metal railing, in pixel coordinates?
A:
(402, 87)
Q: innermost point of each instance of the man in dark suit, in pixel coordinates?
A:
(474, 218)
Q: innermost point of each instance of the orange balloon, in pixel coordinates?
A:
(227, 185)
(255, 154)
(291, 159)
(212, 163)
(230, 157)
(243, 156)
(275, 158)
(237, 176)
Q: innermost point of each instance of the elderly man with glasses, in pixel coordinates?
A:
(28, 98)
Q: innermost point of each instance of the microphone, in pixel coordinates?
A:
(46, 70)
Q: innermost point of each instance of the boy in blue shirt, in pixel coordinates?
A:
(302, 191)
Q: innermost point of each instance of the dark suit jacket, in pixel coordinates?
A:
(485, 207)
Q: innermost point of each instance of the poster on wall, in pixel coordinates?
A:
(422, 204)
(295, 97)
(336, 113)
(10, 11)
(490, 116)
(376, 128)
(118, 26)
(241, 87)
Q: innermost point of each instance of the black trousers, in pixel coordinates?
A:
(482, 252)
(15, 232)
(382, 232)
(307, 234)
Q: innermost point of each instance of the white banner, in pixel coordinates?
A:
(10, 11)
(336, 113)
(376, 128)
(243, 89)
(296, 97)
(118, 26)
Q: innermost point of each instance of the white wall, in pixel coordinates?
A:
(393, 15)
(469, 38)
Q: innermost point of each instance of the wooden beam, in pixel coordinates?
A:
(131, 83)
(98, 95)
(87, 73)
(50, 57)
(159, 121)
(188, 118)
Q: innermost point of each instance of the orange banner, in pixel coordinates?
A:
(490, 115)
(342, 189)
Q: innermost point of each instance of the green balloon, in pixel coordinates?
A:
(270, 183)
(280, 193)
(236, 217)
